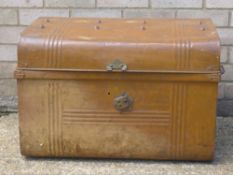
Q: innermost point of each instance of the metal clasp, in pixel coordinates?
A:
(117, 65)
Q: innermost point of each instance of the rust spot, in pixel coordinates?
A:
(143, 28)
(97, 27)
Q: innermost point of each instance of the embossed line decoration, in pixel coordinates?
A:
(182, 47)
(54, 119)
(53, 45)
(111, 117)
(178, 120)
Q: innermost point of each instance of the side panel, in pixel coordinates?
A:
(76, 118)
(200, 121)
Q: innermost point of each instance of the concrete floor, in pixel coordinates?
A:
(11, 162)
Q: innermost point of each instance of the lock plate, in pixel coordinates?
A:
(123, 102)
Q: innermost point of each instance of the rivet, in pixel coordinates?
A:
(41, 144)
(47, 20)
(99, 22)
(42, 26)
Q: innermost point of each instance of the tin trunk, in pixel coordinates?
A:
(115, 88)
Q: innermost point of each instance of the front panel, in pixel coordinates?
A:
(77, 118)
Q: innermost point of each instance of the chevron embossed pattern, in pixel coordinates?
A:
(182, 47)
(111, 117)
(54, 119)
(53, 46)
(178, 120)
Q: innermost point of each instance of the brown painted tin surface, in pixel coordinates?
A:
(71, 88)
